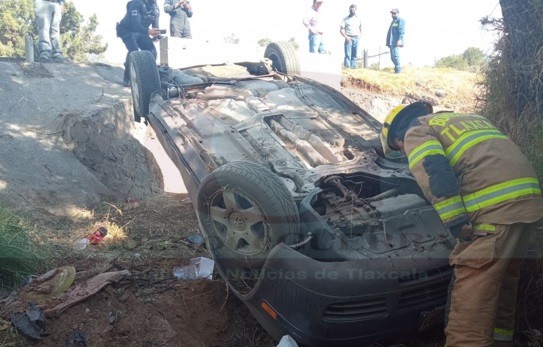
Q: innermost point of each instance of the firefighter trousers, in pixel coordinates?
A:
(483, 291)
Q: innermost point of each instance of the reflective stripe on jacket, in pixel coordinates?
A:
(470, 171)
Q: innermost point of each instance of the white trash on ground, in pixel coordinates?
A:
(287, 341)
(199, 267)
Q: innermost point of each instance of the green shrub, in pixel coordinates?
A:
(19, 255)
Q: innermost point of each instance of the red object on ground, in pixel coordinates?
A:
(96, 237)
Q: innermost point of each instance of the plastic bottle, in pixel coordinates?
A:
(81, 244)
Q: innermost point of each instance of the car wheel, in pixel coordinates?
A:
(144, 79)
(284, 57)
(244, 210)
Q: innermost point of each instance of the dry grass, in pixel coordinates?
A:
(445, 88)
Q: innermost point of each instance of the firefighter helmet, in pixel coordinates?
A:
(399, 118)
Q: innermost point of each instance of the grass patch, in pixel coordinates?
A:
(448, 88)
(20, 255)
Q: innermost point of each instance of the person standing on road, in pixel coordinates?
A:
(351, 29)
(48, 16)
(312, 21)
(134, 30)
(486, 191)
(395, 36)
(180, 12)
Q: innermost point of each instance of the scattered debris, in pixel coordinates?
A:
(197, 239)
(199, 267)
(76, 339)
(81, 244)
(48, 285)
(93, 239)
(82, 291)
(97, 237)
(287, 341)
(31, 323)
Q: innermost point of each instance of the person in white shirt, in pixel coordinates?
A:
(313, 24)
(350, 29)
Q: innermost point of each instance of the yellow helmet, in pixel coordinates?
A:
(400, 116)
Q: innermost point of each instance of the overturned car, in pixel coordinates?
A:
(320, 235)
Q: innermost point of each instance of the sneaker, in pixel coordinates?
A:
(59, 58)
(44, 57)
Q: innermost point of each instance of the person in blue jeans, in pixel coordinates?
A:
(134, 30)
(48, 15)
(395, 36)
(350, 29)
(313, 24)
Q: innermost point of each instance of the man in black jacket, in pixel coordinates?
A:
(134, 30)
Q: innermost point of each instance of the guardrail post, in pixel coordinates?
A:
(365, 58)
(29, 49)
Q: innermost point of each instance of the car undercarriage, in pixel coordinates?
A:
(297, 203)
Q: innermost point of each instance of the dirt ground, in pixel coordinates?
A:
(149, 307)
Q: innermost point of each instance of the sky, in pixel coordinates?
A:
(434, 29)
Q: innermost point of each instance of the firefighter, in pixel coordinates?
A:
(488, 195)
(134, 30)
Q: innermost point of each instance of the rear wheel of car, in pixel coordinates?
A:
(144, 79)
(244, 210)
(284, 57)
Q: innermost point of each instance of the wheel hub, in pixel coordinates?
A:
(237, 221)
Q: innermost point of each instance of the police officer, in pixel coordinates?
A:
(134, 30)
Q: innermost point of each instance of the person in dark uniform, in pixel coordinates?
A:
(134, 30)
(180, 12)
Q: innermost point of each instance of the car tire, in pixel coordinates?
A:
(144, 80)
(284, 57)
(244, 210)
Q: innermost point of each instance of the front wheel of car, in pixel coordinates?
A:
(284, 57)
(144, 79)
(244, 210)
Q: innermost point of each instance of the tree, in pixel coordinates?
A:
(17, 20)
(293, 42)
(456, 62)
(232, 38)
(475, 57)
(264, 42)
(513, 82)
(522, 49)
(79, 40)
(472, 59)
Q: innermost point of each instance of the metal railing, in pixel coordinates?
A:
(366, 57)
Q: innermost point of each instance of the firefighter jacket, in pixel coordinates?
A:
(140, 14)
(471, 172)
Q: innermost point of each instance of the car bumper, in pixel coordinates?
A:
(349, 302)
